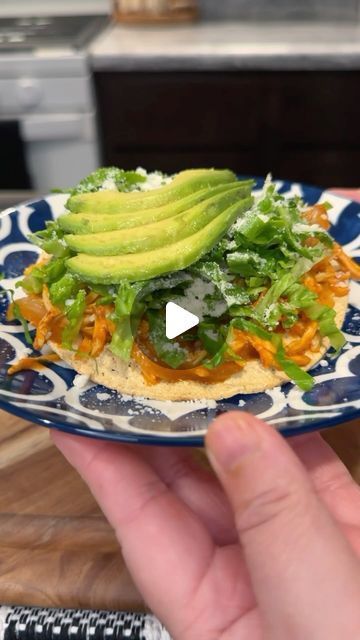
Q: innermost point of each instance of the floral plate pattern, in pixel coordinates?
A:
(56, 397)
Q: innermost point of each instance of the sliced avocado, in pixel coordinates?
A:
(84, 223)
(183, 184)
(150, 236)
(173, 257)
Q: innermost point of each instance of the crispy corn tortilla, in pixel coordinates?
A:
(111, 372)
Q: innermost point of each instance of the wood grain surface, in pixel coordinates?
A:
(56, 548)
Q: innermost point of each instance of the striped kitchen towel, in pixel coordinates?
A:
(34, 623)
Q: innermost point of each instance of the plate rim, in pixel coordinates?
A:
(130, 437)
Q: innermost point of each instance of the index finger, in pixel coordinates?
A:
(352, 194)
(160, 536)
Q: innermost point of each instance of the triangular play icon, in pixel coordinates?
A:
(178, 320)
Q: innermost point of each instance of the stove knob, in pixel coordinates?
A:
(29, 92)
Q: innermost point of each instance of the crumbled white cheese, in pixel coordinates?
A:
(241, 403)
(153, 180)
(80, 380)
(268, 311)
(323, 363)
(170, 347)
(23, 353)
(230, 245)
(126, 398)
(69, 302)
(250, 255)
(194, 300)
(103, 396)
(300, 227)
(109, 185)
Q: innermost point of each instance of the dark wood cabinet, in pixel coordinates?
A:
(300, 125)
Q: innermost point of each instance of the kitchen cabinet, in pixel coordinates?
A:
(299, 125)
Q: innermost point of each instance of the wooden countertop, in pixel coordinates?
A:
(56, 548)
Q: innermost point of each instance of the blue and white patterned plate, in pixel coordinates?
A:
(50, 398)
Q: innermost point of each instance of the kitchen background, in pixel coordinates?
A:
(255, 85)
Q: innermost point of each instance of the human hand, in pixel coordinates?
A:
(352, 194)
(280, 563)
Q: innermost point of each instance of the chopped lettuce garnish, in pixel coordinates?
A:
(251, 327)
(74, 314)
(130, 306)
(292, 370)
(51, 240)
(167, 350)
(20, 318)
(327, 325)
(116, 179)
(122, 338)
(46, 273)
(279, 288)
(108, 178)
(303, 379)
(225, 282)
(212, 336)
(250, 263)
(64, 289)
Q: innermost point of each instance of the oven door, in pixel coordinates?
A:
(13, 163)
(60, 149)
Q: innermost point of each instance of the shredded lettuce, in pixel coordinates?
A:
(20, 318)
(250, 263)
(303, 379)
(125, 313)
(167, 350)
(64, 289)
(74, 315)
(327, 326)
(274, 230)
(232, 293)
(280, 287)
(46, 273)
(251, 327)
(130, 303)
(51, 240)
(212, 336)
(110, 177)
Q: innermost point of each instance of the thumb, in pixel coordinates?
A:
(297, 557)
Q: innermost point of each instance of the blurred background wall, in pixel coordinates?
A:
(255, 85)
(280, 9)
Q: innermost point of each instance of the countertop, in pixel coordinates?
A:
(228, 46)
(56, 548)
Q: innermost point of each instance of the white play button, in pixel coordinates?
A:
(178, 320)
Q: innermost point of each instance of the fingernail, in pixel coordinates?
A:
(230, 439)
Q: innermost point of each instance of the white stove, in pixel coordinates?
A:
(47, 105)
